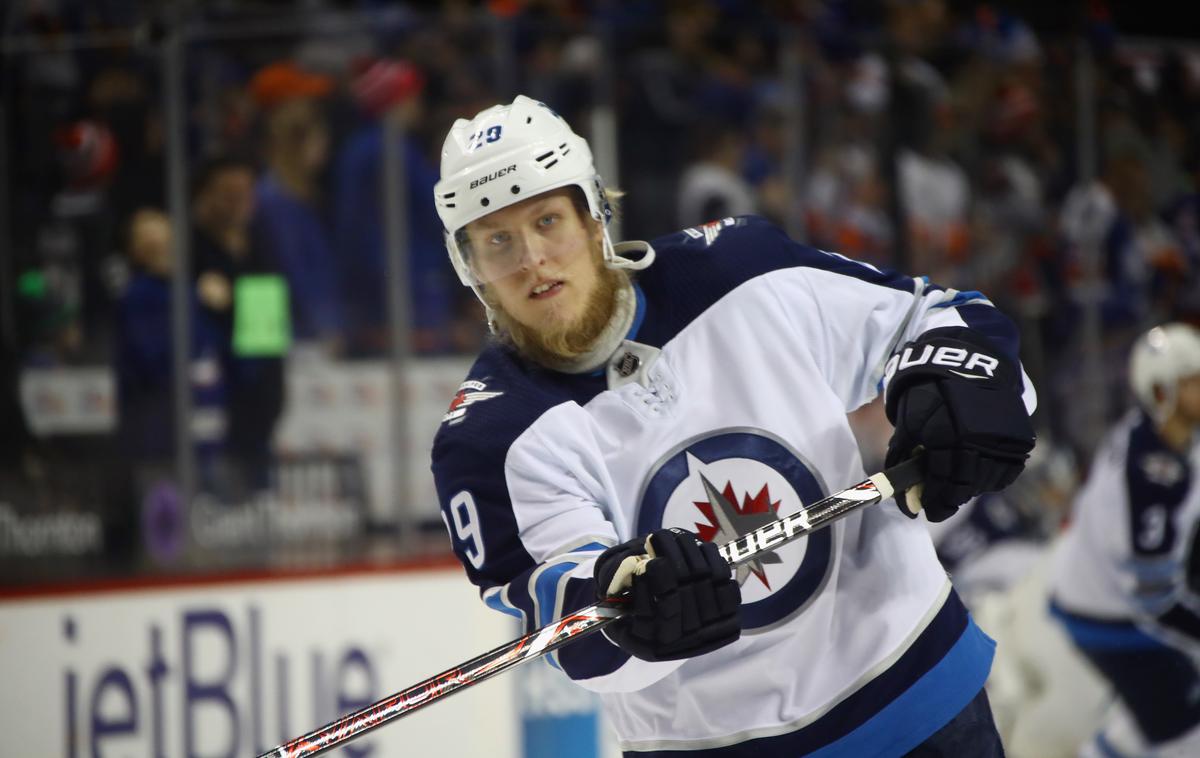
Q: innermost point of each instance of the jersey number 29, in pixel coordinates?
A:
(463, 525)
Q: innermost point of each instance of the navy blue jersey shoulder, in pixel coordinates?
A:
(524, 391)
(696, 267)
(501, 397)
(1158, 478)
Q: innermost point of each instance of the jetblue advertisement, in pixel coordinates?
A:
(225, 670)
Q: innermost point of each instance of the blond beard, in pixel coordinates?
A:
(564, 342)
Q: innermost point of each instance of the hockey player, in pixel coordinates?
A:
(652, 399)
(997, 537)
(1127, 570)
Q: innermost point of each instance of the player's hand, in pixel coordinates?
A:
(963, 404)
(683, 599)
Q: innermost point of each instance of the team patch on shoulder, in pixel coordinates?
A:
(1162, 469)
(469, 393)
(710, 231)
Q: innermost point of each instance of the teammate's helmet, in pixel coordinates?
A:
(506, 154)
(1160, 358)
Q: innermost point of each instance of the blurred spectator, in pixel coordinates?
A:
(997, 35)
(1183, 218)
(934, 190)
(845, 198)
(763, 164)
(1009, 208)
(845, 203)
(145, 389)
(291, 215)
(936, 194)
(559, 65)
(917, 89)
(1139, 264)
(120, 100)
(282, 82)
(663, 82)
(861, 225)
(712, 187)
(1152, 103)
(89, 154)
(225, 256)
(1140, 260)
(389, 95)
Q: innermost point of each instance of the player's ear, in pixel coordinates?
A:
(595, 228)
(1160, 394)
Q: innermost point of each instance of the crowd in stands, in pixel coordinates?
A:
(942, 138)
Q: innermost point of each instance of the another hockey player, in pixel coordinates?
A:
(629, 410)
(997, 537)
(1127, 571)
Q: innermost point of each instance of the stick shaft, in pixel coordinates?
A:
(588, 620)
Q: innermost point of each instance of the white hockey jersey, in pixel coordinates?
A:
(1120, 569)
(749, 350)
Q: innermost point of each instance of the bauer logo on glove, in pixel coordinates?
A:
(953, 394)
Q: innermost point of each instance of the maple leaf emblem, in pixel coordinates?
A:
(727, 520)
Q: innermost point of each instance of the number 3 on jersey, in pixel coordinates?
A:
(1153, 530)
(463, 525)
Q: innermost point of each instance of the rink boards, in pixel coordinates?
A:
(235, 667)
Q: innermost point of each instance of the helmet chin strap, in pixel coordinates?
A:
(1165, 408)
(490, 315)
(614, 255)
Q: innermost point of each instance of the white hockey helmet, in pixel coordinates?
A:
(1160, 358)
(506, 154)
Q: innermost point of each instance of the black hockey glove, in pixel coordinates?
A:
(683, 599)
(957, 396)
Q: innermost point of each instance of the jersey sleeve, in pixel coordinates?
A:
(526, 518)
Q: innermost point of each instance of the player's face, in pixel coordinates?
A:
(536, 257)
(232, 197)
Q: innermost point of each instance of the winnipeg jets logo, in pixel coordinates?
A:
(1162, 469)
(727, 521)
(469, 393)
(729, 484)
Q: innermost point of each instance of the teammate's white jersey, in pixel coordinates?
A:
(727, 409)
(988, 546)
(1120, 569)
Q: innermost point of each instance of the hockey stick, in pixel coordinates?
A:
(591, 619)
